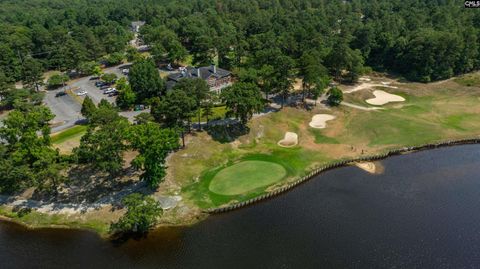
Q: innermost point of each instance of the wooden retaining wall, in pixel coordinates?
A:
(341, 163)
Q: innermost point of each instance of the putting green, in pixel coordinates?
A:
(246, 176)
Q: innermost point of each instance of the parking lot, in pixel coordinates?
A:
(67, 108)
(94, 92)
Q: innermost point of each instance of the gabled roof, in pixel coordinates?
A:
(204, 72)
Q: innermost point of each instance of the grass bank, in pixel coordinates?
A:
(33, 219)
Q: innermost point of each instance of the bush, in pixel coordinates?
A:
(114, 59)
(57, 80)
(142, 214)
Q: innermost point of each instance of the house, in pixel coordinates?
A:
(135, 26)
(216, 78)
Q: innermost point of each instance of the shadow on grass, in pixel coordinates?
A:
(227, 130)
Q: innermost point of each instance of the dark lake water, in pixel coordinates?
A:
(423, 212)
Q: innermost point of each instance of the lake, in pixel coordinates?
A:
(422, 212)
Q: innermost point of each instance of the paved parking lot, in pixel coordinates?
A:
(67, 109)
(94, 92)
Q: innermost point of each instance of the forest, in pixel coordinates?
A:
(422, 40)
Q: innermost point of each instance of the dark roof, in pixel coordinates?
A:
(205, 73)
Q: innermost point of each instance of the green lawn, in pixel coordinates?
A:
(246, 176)
(218, 112)
(75, 131)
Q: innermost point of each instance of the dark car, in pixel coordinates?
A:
(58, 94)
(115, 93)
(100, 83)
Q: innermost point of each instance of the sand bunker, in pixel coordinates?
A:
(290, 140)
(382, 98)
(319, 121)
(368, 85)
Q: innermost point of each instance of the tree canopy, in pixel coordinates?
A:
(145, 80)
(242, 100)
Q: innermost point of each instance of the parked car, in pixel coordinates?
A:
(125, 71)
(81, 92)
(110, 90)
(99, 83)
(115, 93)
(62, 93)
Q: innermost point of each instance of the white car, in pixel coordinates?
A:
(80, 93)
(125, 71)
(110, 90)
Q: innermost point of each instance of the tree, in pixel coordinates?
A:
(319, 88)
(153, 145)
(113, 59)
(126, 97)
(343, 59)
(207, 110)
(32, 73)
(242, 100)
(89, 68)
(313, 74)
(88, 107)
(144, 117)
(145, 80)
(133, 55)
(103, 144)
(142, 214)
(196, 88)
(174, 110)
(109, 78)
(57, 80)
(335, 96)
(27, 158)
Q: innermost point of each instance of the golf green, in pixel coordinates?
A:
(245, 176)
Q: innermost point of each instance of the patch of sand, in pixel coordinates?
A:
(290, 140)
(370, 167)
(382, 98)
(319, 121)
(369, 85)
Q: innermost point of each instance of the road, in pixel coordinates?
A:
(67, 109)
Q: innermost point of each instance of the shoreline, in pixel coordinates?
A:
(204, 214)
(342, 163)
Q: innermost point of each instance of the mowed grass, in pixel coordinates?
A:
(77, 130)
(432, 112)
(246, 176)
(218, 113)
(67, 140)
